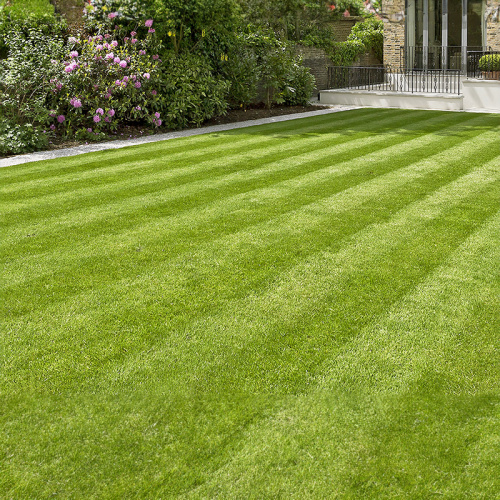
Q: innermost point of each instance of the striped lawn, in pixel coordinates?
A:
(306, 309)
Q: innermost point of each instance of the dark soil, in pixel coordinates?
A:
(254, 112)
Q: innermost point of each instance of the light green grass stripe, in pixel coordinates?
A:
(131, 158)
(137, 204)
(115, 164)
(341, 432)
(171, 281)
(427, 334)
(179, 231)
(132, 420)
(171, 173)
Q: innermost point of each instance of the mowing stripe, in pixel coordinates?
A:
(323, 290)
(219, 346)
(150, 203)
(412, 341)
(127, 239)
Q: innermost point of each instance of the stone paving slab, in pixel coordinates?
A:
(102, 146)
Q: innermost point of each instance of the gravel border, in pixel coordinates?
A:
(102, 146)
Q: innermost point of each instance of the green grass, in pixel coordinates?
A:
(22, 9)
(306, 309)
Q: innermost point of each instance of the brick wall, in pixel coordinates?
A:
(393, 15)
(493, 24)
(317, 60)
(342, 27)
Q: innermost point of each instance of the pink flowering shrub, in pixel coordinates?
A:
(104, 81)
(124, 13)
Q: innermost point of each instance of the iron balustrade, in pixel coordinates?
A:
(473, 58)
(394, 80)
(435, 57)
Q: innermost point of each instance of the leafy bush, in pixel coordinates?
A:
(365, 35)
(371, 34)
(190, 93)
(22, 9)
(490, 62)
(24, 16)
(187, 22)
(277, 68)
(242, 72)
(299, 86)
(354, 7)
(25, 76)
(106, 14)
(17, 139)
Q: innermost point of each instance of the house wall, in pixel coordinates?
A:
(393, 15)
(493, 24)
(318, 62)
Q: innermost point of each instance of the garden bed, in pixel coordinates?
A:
(132, 131)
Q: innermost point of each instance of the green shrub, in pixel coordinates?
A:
(25, 76)
(364, 36)
(101, 82)
(17, 139)
(355, 8)
(242, 72)
(190, 93)
(26, 16)
(371, 34)
(23, 9)
(489, 62)
(299, 86)
(106, 14)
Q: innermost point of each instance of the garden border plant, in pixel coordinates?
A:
(86, 86)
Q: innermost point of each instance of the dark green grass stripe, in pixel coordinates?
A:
(177, 289)
(123, 331)
(96, 163)
(193, 149)
(109, 381)
(152, 171)
(420, 335)
(184, 200)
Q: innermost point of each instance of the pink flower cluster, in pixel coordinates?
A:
(156, 120)
(71, 67)
(101, 56)
(76, 103)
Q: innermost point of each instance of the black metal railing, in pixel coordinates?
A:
(394, 80)
(435, 57)
(473, 57)
(351, 77)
